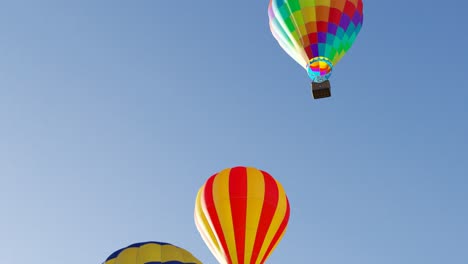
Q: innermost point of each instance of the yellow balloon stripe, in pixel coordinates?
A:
(150, 252)
(223, 208)
(203, 223)
(128, 256)
(255, 200)
(278, 218)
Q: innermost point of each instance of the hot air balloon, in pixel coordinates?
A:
(151, 252)
(241, 214)
(316, 34)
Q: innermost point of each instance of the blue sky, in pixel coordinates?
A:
(114, 113)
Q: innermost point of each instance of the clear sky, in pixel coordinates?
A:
(114, 113)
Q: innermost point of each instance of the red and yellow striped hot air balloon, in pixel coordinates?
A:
(241, 214)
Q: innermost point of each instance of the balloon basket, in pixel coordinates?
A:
(321, 90)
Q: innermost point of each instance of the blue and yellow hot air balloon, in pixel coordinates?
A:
(152, 253)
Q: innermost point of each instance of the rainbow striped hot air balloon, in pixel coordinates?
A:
(316, 34)
(241, 214)
(151, 253)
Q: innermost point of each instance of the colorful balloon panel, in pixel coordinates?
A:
(316, 33)
(151, 253)
(242, 214)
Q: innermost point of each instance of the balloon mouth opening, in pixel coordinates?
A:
(320, 69)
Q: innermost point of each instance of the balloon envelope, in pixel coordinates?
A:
(151, 253)
(316, 33)
(241, 214)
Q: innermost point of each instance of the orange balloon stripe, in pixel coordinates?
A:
(213, 215)
(268, 211)
(279, 233)
(238, 198)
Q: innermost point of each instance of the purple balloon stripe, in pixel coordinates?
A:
(315, 51)
(322, 37)
(332, 28)
(356, 18)
(345, 20)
